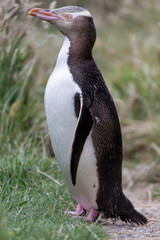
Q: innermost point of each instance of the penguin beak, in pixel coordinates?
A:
(44, 14)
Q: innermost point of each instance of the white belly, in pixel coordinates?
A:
(61, 120)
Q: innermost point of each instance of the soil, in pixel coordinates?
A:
(141, 198)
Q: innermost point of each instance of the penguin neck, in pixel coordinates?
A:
(81, 48)
(64, 52)
(72, 51)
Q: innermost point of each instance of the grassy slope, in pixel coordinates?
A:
(33, 205)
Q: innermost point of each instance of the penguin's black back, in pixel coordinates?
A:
(106, 133)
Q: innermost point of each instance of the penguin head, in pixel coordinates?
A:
(71, 20)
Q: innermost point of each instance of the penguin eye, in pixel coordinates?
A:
(68, 17)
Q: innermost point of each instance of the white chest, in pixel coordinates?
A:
(62, 121)
(59, 107)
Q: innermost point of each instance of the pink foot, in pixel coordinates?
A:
(92, 216)
(79, 211)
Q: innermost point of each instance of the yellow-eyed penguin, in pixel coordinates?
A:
(83, 122)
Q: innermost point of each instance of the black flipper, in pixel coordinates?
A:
(83, 128)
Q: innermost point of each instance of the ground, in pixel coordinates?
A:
(144, 204)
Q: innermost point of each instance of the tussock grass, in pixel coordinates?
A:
(17, 67)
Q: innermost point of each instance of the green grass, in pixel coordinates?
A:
(34, 205)
(17, 71)
(127, 52)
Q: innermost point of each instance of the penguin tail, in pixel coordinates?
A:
(133, 217)
(123, 209)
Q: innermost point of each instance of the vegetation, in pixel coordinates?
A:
(32, 203)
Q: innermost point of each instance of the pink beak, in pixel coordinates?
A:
(44, 14)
